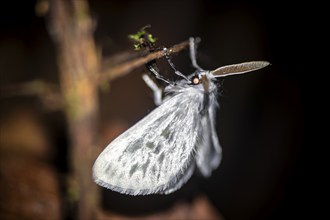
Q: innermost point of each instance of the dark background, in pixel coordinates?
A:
(262, 120)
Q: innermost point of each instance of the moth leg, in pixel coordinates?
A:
(152, 69)
(177, 72)
(193, 50)
(155, 89)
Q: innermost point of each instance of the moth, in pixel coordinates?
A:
(160, 152)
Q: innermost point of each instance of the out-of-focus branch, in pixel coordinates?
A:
(119, 70)
(48, 93)
(71, 29)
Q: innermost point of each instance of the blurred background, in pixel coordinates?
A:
(261, 122)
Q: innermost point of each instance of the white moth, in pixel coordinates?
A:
(160, 152)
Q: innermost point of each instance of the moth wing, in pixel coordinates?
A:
(156, 155)
(209, 153)
(182, 179)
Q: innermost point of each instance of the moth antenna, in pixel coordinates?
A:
(239, 68)
(193, 51)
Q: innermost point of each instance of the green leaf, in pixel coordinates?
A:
(151, 38)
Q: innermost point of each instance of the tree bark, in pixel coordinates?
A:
(72, 31)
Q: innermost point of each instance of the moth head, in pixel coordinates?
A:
(200, 77)
(196, 79)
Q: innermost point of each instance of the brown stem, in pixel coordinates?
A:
(120, 70)
(72, 31)
(48, 93)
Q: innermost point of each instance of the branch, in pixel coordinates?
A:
(48, 93)
(71, 28)
(123, 69)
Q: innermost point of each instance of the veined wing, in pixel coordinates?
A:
(156, 154)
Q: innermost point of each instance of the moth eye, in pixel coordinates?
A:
(195, 80)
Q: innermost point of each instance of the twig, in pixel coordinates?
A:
(123, 69)
(48, 93)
